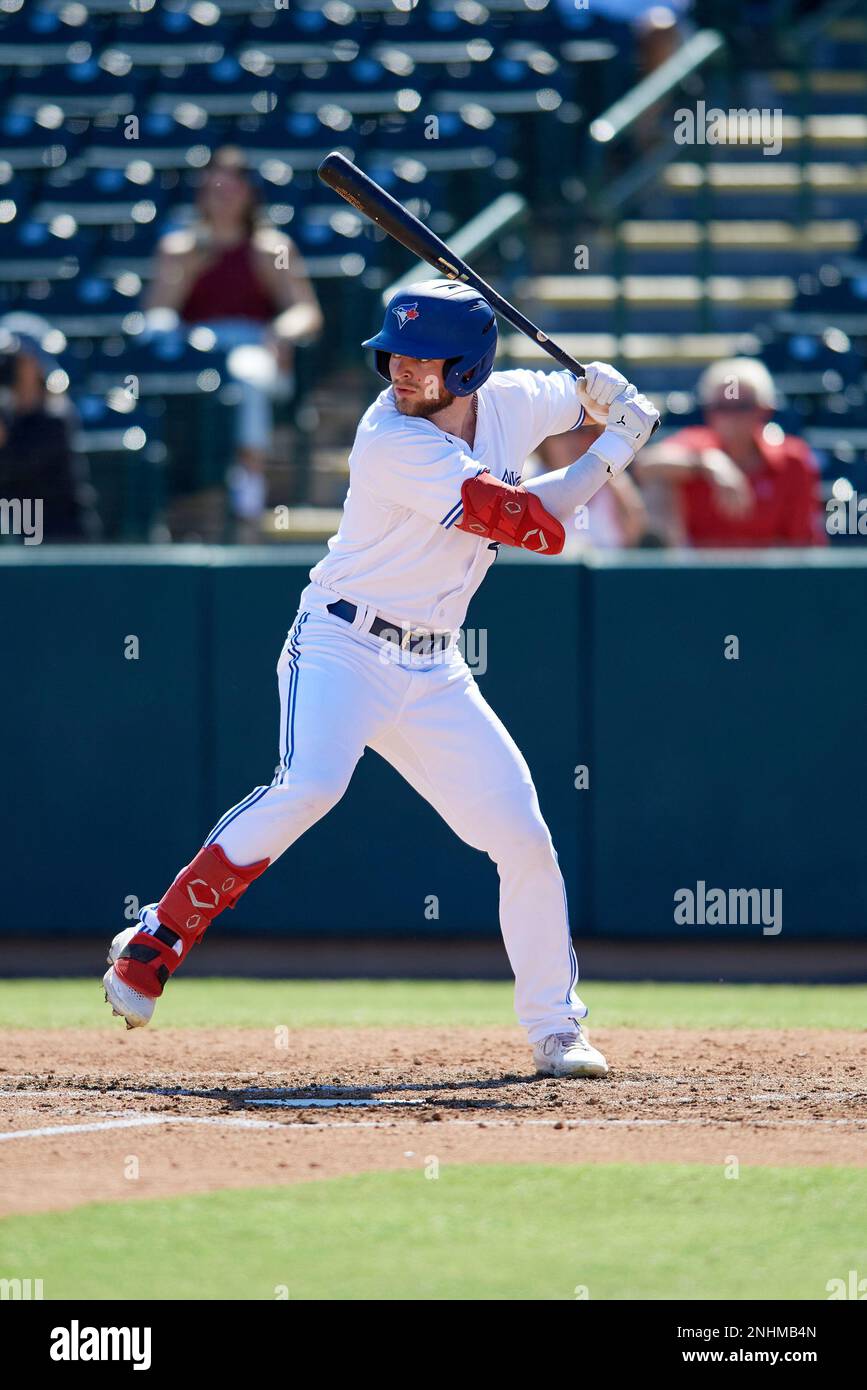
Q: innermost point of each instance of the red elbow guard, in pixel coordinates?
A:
(508, 514)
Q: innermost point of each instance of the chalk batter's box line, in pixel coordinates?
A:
(74, 1093)
(150, 1121)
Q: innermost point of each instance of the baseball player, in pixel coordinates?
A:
(372, 658)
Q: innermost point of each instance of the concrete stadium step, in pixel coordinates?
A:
(655, 303)
(767, 176)
(301, 523)
(852, 30)
(820, 80)
(765, 188)
(826, 90)
(729, 247)
(824, 235)
(842, 136)
(589, 291)
(658, 362)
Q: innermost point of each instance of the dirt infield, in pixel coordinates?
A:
(199, 1109)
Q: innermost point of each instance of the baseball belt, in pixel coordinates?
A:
(415, 640)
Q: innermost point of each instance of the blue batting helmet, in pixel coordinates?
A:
(442, 319)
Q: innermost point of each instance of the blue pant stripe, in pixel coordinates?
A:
(291, 694)
(573, 959)
(218, 827)
(258, 792)
(235, 811)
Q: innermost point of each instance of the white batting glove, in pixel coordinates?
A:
(631, 421)
(601, 383)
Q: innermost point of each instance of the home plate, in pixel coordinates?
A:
(327, 1104)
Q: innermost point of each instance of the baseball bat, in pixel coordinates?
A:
(363, 193)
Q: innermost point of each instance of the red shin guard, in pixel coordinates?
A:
(199, 893)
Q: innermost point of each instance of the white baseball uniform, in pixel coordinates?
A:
(398, 556)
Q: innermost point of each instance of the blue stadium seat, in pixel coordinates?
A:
(451, 145)
(157, 138)
(79, 90)
(24, 144)
(88, 306)
(326, 230)
(30, 252)
(813, 361)
(365, 87)
(102, 197)
(190, 34)
(167, 365)
(836, 296)
(292, 62)
(221, 91)
(16, 194)
(38, 34)
(33, 53)
(130, 247)
(293, 24)
(299, 140)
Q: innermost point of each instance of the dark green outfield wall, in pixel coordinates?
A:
(743, 774)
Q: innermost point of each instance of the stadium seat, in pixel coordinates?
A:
(89, 306)
(158, 140)
(79, 90)
(221, 91)
(127, 249)
(33, 258)
(103, 197)
(27, 145)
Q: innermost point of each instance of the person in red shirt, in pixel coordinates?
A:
(233, 273)
(737, 480)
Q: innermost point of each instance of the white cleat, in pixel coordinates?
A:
(569, 1054)
(126, 1002)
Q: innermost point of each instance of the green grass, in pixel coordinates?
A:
(622, 1231)
(451, 1003)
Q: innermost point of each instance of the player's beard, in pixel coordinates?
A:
(423, 409)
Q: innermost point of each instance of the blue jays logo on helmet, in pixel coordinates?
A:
(440, 320)
(405, 313)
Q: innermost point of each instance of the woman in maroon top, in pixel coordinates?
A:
(236, 274)
(736, 480)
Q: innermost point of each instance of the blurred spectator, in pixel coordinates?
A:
(736, 480)
(616, 516)
(235, 274)
(37, 458)
(658, 36)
